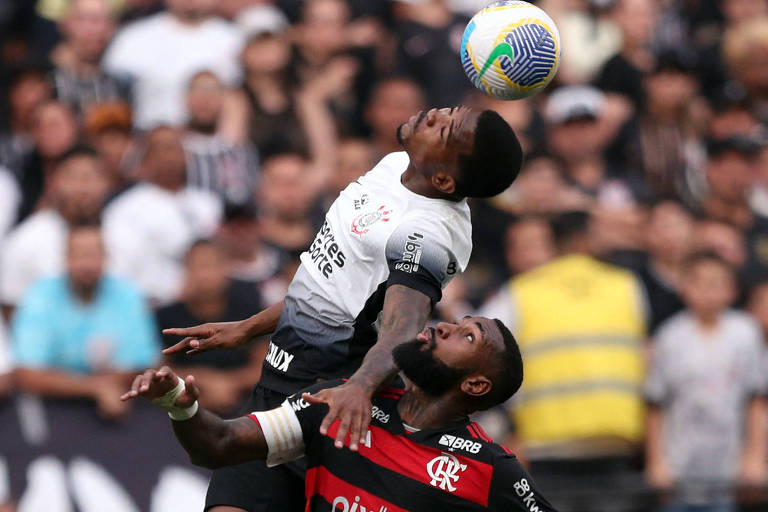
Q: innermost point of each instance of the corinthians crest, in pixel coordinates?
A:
(362, 223)
(443, 471)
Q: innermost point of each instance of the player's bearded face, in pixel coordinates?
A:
(420, 366)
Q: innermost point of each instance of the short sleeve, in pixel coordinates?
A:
(418, 259)
(513, 489)
(293, 426)
(657, 387)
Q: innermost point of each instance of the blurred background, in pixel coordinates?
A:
(164, 163)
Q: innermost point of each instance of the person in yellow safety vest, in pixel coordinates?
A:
(579, 417)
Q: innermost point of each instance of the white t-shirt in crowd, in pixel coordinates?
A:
(37, 248)
(9, 201)
(159, 55)
(32, 250)
(161, 225)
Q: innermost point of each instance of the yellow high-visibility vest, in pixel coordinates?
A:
(580, 326)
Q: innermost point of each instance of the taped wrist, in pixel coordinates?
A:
(168, 401)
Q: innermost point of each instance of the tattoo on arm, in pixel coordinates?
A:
(213, 442)
(405, 313)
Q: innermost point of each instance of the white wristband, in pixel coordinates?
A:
(168, 402)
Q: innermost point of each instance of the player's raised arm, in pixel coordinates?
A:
(404, 315)
(209, 440)
(229, 335)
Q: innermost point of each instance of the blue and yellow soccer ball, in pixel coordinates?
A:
(510, 50)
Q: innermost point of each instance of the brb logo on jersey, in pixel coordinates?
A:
(362, 223)
(443, 471)
(453, 442)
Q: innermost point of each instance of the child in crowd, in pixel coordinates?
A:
(707, 420)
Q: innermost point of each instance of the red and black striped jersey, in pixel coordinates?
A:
(453, 468)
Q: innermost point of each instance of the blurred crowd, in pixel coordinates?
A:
(164, 163)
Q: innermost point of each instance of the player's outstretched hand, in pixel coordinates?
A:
(156, 383)
(351, 405)
(201, 338)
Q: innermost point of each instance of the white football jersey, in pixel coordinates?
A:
(377, 233)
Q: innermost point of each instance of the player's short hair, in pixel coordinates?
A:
(495, 160)
(507, 376)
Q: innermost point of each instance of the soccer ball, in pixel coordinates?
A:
(510, 50)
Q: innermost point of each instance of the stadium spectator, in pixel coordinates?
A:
(210, 296)
(285, 203)
(268, 114)
(541, 188)
(529, 244)
(327, 53)
(724, 239)
(159, 54)
(706, 386)
(580, 325)
(656, 147)
(225, 167)
(669, 239)
(355, 157)
(392, 100)
(153, 259)
(87, 27)
(54, 132)
(623, 73)
(730, 172)
(108, 127)
(428, 42)
(239, 238)
(28, 87)
(578, 133)
(76, 190)
(745, 54)
(78, 335)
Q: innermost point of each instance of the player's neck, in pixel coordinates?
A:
(421, 411)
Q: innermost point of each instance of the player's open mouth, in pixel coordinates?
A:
(427, 336)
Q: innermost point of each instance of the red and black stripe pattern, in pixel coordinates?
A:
(457, 468)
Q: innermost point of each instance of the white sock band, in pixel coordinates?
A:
(168, 401)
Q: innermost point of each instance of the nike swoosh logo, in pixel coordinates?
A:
(500, 50)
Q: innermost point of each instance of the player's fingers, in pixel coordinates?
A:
(178, 347)
(146, 380)
(201, 345)
(194, 331)
(354, 432)
(328, 420)
(131, 393)
(192, 391)
(317, 398)
(342, 433)
(365, 423)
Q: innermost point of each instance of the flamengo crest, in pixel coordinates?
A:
(443, 471)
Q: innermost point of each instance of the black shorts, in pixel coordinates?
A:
(253, 486)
